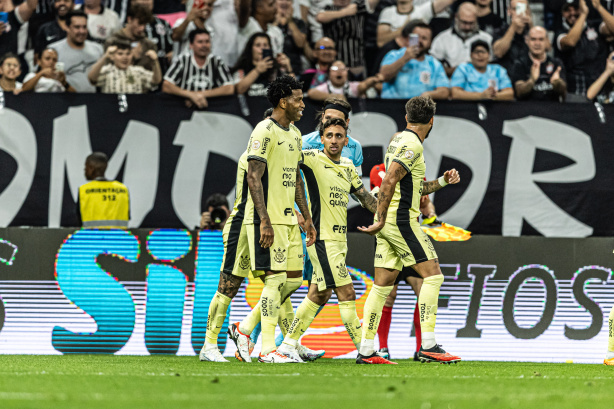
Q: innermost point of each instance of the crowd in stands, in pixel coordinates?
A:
(448, 49)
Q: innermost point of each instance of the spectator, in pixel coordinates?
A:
(410, 71)
(536, 75)
(263, 14)
(17, 16)
(339, 86)
(294, 31)
(401, 41)
(227, 17)
(343, 21)
(121, 7)
(158, 31)
(76, 53)
(134, 33)
(54, 30)
(309, 12)
(10, 70)
(488, 21)
(602, 90)
(325, 53)
(102, 203)
(392, 19)
(479, 80)
(582, 46)
(452, 46)
(255, 70)
(115, 74)
(49, 77)
(510, 44)
(101, 21)
(197, 18)
(216, 213)
(198, 75)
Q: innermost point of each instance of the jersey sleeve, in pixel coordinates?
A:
(356, 180)
(309, 157)
(260, 144)
(407, 154)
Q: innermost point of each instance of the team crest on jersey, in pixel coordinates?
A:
(348, 173)
(280, 255)
(255, 145)
(343, 271)
(409, 154)
(160, 29)
(244, 263)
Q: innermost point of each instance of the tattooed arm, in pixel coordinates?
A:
(366, 199)
(301, 202)
(449, 177)
(394, 174)
(255, 170)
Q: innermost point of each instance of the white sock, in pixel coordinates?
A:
(367, 347)
(428, 340)
(609, 355)
(209, 346)
(290, 342)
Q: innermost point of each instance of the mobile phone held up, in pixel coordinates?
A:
(521, 9)
(414, 40)
(4, 17)
(267, 52)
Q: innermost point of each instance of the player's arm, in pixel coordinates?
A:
(449, 177)
(366, 199)
(255, 171)
(301, 202)
(396, 171)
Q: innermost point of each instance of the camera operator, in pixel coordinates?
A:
(216, 212)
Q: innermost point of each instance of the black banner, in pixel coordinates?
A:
(528, 168)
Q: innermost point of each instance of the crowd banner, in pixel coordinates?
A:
(527, 169)
(143, 292)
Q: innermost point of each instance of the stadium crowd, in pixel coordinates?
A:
(447, 49)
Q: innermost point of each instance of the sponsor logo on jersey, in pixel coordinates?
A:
(266, 142)
(288, 211)
(340, 229)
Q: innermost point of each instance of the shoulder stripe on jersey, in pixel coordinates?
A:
(402, 164)
(314, 197)
(323, 259)
(235, 229)
(252, 157)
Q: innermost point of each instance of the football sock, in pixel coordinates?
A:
(217, 315)
(427, 301)
(286, 316)
(384, 327)
(305, 313)
(280, 337)
(372, 314)
(269, 309)
(417, 328)
(347, 309)
(611, 334)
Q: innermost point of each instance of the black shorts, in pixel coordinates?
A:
(406, 272)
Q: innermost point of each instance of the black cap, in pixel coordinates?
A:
(570, 3)
(480, 43)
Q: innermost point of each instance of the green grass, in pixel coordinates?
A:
(97, 381)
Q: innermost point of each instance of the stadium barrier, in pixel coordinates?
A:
(527, 168)
(142, 292)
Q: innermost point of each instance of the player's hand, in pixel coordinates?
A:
(373, 229)
(267, 235)
(300, 219)
(451, 176)
(311, 232)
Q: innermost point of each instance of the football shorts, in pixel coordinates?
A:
(286, 253)
(328, 259)
(403, 244)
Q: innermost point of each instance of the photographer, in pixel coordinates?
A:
(216, 212)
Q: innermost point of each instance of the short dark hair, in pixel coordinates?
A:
(216, 200)
(282, 87)
(140, 12)
(98, 159)
(122, 44)
(267, 113)
(413, 24)
(196, 32)
(72, 14)
(420, 110)
(334, 122)
(7, 56)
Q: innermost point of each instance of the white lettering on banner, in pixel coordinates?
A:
(205, 132)
(71, 145)
(523, 199)
(17, 138)
(468, 143)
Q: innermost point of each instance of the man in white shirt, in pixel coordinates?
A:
(453, 46)
(261, 19)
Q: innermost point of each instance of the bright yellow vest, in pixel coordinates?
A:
(104, 203)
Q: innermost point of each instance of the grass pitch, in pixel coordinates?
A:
(97, 381)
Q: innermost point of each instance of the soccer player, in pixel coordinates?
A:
(400, 240)
(330, 179)
(273, 238)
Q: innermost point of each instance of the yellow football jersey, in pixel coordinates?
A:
(241, 191)
(406, 149)
(280, 149)
(328, 185)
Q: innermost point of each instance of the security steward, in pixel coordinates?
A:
(102, 203)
